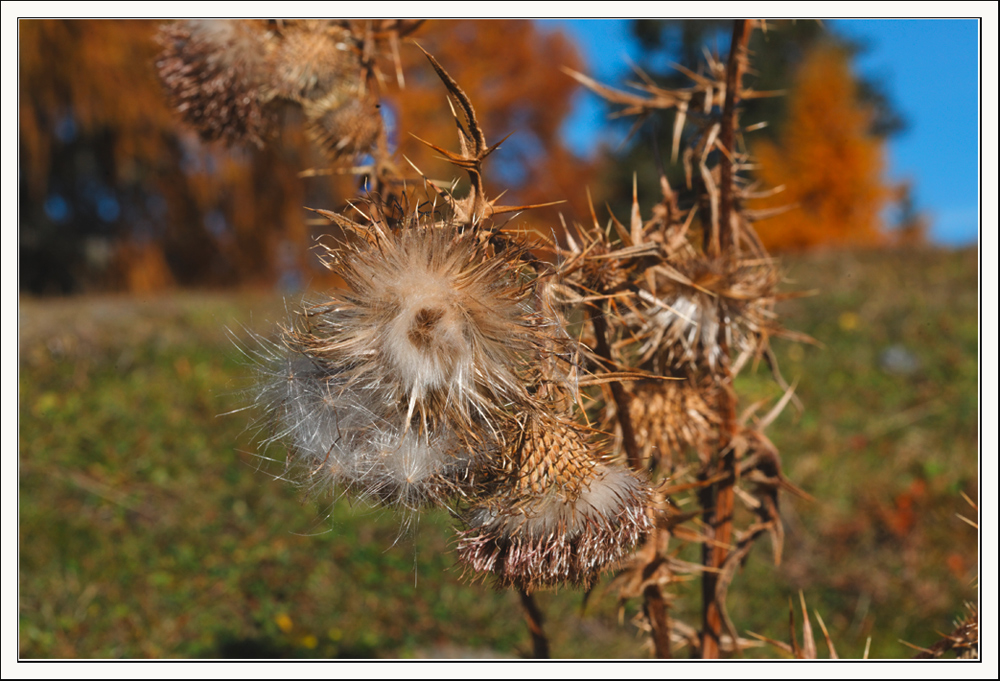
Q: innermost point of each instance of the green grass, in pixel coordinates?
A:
(149, 529)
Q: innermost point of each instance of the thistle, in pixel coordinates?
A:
(231, 79)
(401, 385)
(318, 66)
(670, 416)
(442, 373)
(213, 71)
(698, 298)
(560, 514)
(434, 320)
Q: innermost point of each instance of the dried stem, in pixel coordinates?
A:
(723, 240)
(717, 500)
(658, 614)
(533, 616)
(617, 391)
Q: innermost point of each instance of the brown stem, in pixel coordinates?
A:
(533, 616)
(655, 607)
(718, 499)
(722, 241)
(617, 391)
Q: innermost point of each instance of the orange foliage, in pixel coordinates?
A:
(235, 216)
(829, 163)
(101, 73)
(98, 71)
(510, 70)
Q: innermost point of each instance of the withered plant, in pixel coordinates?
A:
(688, 297)
(570, 402)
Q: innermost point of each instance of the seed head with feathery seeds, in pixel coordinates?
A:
(697, 297)
(346, 437)
(437, 320)
(401, 385)
(560, 513)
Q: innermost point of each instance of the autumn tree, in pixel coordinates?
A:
(827, 159)
(673, 49)
(117, 193)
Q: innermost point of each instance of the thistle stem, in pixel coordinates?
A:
(722, 240)
(717, 500)
(655, 607)
(533, 617)
(617, 391)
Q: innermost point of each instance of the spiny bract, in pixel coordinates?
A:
(560, 514)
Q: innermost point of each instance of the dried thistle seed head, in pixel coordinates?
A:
(561, 515)
(401, 387)
(214, 71)
(344, 127)
(347, 437)
(314, 60)
(670, 416)
(702, 298)
(318, 66)
(437, 324)
(230, 78)
(602, 271)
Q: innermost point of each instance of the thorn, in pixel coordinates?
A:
(636, 223)
(826, 635)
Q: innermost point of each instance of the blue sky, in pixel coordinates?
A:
(930, 69)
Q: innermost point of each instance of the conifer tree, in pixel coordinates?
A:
(828, 160)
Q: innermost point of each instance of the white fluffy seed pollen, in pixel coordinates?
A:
(428, 342)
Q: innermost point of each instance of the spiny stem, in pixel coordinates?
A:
(717, 500)
(722, 241)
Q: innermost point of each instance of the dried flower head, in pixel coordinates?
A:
(560, 515)
(669, 416)
(401, 386)
(318, 66)
(313, 59)
(702, 296)
(344, 126)
(229, 79)
(439, 323)
(213, 71)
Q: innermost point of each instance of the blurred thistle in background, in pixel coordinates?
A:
(118, 195)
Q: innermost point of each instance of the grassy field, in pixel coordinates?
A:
(148, 528)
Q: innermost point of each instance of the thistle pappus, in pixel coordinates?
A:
(400, 385)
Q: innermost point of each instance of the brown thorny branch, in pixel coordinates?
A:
(700, 309)
(664, 322)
